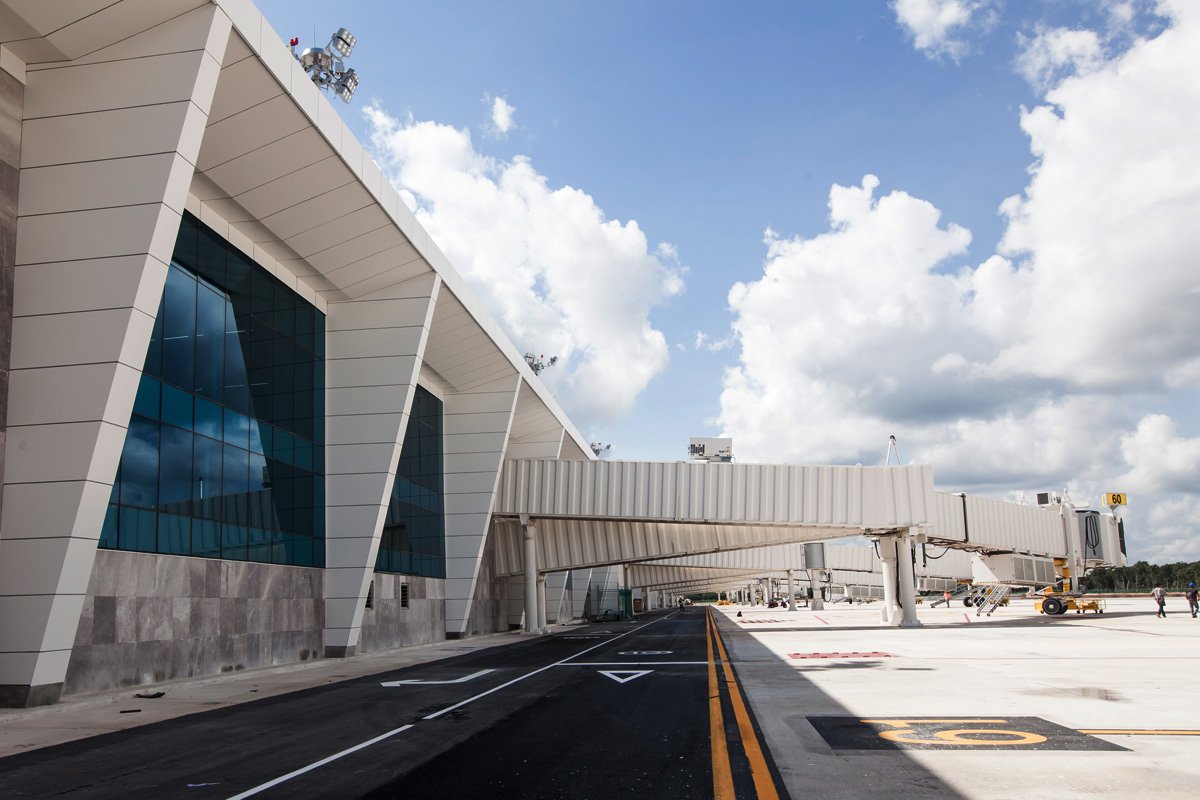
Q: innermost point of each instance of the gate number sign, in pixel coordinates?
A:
(952, 733)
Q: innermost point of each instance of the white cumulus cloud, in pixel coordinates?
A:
(1050, 54)
(560, 277)
(1159, 459)
(1031, 370)
(937, 27)
(502, 116)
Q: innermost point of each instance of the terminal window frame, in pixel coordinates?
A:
(413, 540)
(224, 455)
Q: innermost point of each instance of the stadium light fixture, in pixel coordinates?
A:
(325, 66)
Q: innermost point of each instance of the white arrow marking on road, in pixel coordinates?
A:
(624, 675)
(416, 681)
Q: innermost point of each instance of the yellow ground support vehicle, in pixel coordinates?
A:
(1058, 603)
(1055, 601)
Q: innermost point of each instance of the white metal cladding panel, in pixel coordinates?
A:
(876, 497)
(843, 577)
(580, 543)
(1007, 526)
(944, 562)
(898, 497)
(949, 518)
(1111, 538)
(846, 557)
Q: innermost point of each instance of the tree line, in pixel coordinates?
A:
(1142, 577)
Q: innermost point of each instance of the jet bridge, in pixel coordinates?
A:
(557, 515)
(553, 515)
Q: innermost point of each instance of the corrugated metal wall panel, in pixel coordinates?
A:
(877, 497)
(1007, 526)
(949, 525)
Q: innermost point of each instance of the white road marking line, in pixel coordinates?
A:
(421, 682)
(624, 675)
(264, 786)
(391, 733)
(519, 678)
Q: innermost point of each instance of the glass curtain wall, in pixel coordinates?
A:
(224, 457)
(414, 531)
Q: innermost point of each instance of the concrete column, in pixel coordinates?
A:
(374, 348)
(814, 578)
(541, 603)
(908, 589)
(791, 591)
(107, 156)
(889, 614)
(531, 576)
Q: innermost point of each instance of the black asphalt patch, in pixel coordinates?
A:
(952, 733)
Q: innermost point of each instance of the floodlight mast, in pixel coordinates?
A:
(325, 65)
(539, 363)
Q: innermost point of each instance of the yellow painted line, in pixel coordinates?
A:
(722, 772)
(764, 785)
(1137, 732)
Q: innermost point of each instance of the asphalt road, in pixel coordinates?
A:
(616, 710)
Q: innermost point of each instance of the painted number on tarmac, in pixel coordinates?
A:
(420, 682)
(953, 733)
(645, 652)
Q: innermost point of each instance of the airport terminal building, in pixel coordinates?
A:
(251, 413)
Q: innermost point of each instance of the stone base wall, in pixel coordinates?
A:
(388, 624)
(150, 618)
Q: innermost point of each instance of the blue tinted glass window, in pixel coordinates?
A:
(177, 407)
(210, 343)
(206, 538)
(146, 402)
(208, 418)
(231, 396)
(414, 528)
(108, 533)
(174, 534)
(139, 476)
(179, 328)
(138, 530)
(175, 470)
(206, 484)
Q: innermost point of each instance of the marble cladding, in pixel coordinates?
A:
(150, 618)
(387, 624)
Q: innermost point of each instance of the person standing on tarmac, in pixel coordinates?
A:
(1160, 596)
(1190, 594)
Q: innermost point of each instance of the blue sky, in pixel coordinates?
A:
(607, 173)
